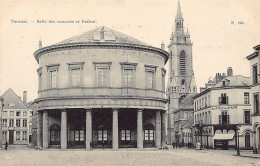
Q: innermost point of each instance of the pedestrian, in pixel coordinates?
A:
(173, 145)
(91, 145)
(6, 145)
(103, 144)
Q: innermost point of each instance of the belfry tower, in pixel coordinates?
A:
(181, 77)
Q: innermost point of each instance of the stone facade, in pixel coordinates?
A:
(220, 110)
(101, 89)
(254, 59)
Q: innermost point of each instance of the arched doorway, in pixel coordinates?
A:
(54, 134)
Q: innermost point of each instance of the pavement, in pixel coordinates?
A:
(23, 155)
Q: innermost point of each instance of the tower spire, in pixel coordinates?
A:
(179, 14)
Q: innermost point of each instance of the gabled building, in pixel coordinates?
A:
(15, 118)
(254, 59)
(181, 77)
(223, 111)
(183, 121)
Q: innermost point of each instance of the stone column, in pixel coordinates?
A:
(39, 130)
(45, 130)
(63, 133)
(163, 129)
(158, 129)
(88, 128)
(115, 129)
(140, 129)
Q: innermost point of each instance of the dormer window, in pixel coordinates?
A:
(224, 83)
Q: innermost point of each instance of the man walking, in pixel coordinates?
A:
(6, 145)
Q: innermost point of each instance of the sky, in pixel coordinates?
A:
(219, 41)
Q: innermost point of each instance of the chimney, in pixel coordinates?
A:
(40, 44)
(163, 46)
(25, 97)
(229, 71)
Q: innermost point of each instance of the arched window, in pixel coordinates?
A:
(181, 98)
(182, 63)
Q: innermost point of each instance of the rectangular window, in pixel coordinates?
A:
(53, 79)
(11, 123)
(18, 123)
(4, 136)
(11, 113)
(148, 135)
(18, 135)
(246, 98)
(128, 74)
(102, 135)
(24, 113)
(75, 74)
(163, 79)
(247, 117)
(150, 78)
(24, 123)
(128, 77)
(53, 75)
(18, 113)
(39, 70)
(255, 74)
(4, 113)
(75, 77)
(125, 135)
(256, 104)
(102, 73)
(223, 99)
(4, 122)
(224, 118)
(102, 77)
(203, 103)
(24, 135)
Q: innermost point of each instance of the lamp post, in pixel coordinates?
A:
(238, 150)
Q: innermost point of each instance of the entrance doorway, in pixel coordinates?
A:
(11, 137)
(55, 134)
(76, 128)
(247, 140)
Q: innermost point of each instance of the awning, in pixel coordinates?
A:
(226, 136)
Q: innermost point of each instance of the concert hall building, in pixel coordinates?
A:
(101, 88)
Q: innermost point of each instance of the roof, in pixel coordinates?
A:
(101, 37)
(232, 81)
(236, 81)
(189, 123)
(95, 36)
(187, 103)
(11, 100)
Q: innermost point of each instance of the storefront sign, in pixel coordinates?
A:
(224, 107)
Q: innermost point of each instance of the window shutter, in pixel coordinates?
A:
(220, 119)
(227, 100)
(219, 101)
(228, 120)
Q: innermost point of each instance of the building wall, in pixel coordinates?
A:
(88, 56)
(210, 115)
(21, 129)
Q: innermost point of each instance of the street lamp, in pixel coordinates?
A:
(238, 150)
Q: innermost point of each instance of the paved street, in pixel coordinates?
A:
(132, 157)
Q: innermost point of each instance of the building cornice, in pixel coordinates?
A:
(59, 47)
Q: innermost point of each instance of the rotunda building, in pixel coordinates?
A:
(100, 89)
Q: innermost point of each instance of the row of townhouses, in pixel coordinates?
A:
(16, 119)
